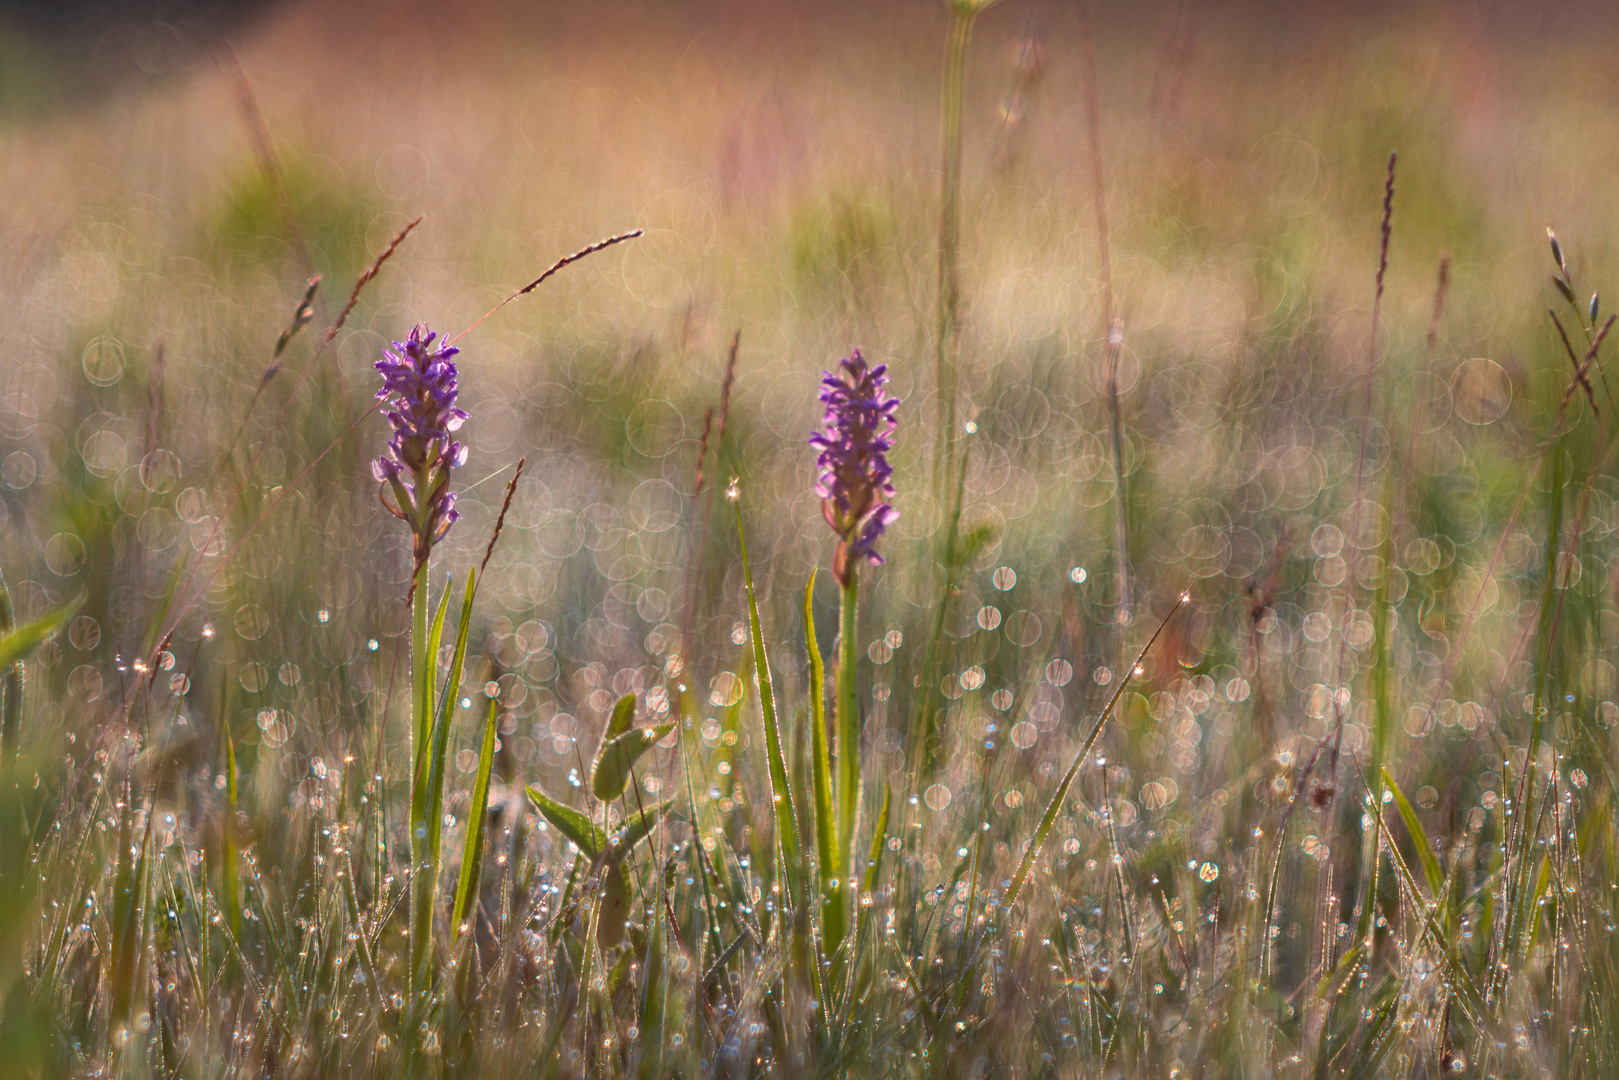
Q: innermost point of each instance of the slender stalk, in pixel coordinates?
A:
(848, 715)
(1112, 329)
(421, 672)
(959, 35)
(1054, 807)
(421, 681)
(11, 681)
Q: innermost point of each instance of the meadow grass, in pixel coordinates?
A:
(1238, 695)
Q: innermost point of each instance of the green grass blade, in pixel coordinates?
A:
(472, 850)
(1054, 807)
(637, 827)
(1419, 836)
(827, 849)
(848, 719)
(874, 857)
(128, 960)
(425, 636)
(15, 644)
(587, 966)
(427, 800)
(231, 862)
(780, 791)
(610, 773)
(11, 676)
(427, 792)
(18, 643)
(654, 984)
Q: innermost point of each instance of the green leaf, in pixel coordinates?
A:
(610, 772)
(426, 675)
(17, 644)
(427, 798)
(636, 827)
(820, 751)
(827, 848)
(615, 906)
(571, 823)
(433, 766)
(472, 849)
(781, 791)
(623, 716)
(847, 718)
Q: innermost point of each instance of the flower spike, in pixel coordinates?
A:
(854, 479)
(419, 387)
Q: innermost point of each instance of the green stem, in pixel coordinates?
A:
(848, 720)
(11, 681)
(421, 684)
(949, 313)
(421, 670)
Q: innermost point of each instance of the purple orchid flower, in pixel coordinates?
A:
(418, 392)
(854, 473)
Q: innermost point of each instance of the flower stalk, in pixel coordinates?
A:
(856, 489)
(420, 384)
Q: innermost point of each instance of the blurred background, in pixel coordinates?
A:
(172, 176)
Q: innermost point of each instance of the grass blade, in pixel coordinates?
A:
(425, 637)
(827, 849)
(472, 849)
(637, 827)
(874, 857)
(231, 863)
(781, 792)
(848, 777)
(17, 644)
(1419, 836)
(427, 798)
(1054, 807)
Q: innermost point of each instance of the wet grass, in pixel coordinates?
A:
(1238, 697)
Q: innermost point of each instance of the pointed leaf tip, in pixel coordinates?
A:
(569, 822)
(610, 773)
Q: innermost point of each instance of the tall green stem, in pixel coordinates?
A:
(11, 682)
(962, 18)
(848, 715)
(421, 684)
(421, 672)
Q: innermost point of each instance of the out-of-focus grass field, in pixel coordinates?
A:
(1397, 551)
